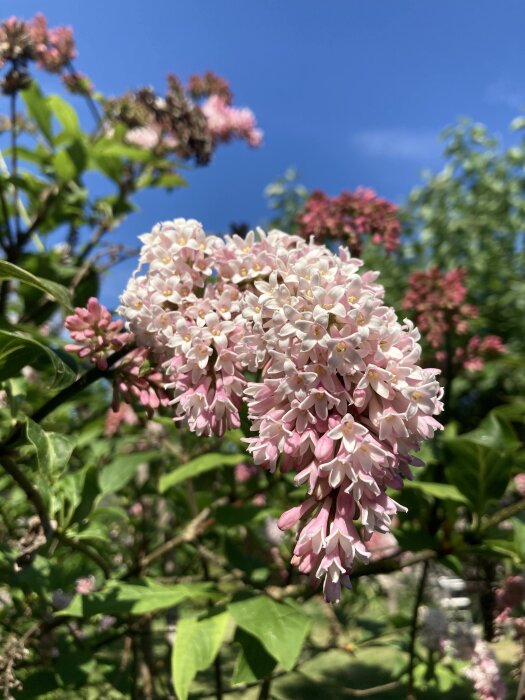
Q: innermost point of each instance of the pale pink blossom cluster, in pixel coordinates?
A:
(478, 350)
(124, 415)
(485, 673)
(96, 334)
(226, 122)
(519, 483)
(192, 327)
(187, 122)
(55, 47)
(85, 585)
(21, 40)
(97, 337)
(339, 398)
(510, 597)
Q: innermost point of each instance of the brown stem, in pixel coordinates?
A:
(31, 492)
(36, 499)
(503, 514)
(89, 100)
(5, 214)
(86, 550)
(413, 631)
(67, 393)
(521, 688)
(89, 377)
(264, 692)
(218, 677)
(14, 161)
(192, 530)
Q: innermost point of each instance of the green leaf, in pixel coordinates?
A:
(197, 643)
(441, 491)
(170, 180)
(55, 290)
(505, 548)
(39, 110)
(18, 349)
(53, 450)
(253, 662)
(280, 628)
(233, 515)
(64, 166)
(65, 114)
(111, 148)
(479, 472)
(123, 598)
(200, 465)
(116, 475)
(494, 432)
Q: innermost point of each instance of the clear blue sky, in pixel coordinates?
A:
(351, 93)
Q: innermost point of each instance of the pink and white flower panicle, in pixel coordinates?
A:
(341, 401)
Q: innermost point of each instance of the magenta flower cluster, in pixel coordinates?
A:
(350, 216)
(439, 301)
(339, 399)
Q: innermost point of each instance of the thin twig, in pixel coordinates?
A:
(90, 101)
(384, 566)
(413, 630)
(36, 499)
(218, 677)
(31, 492)
(503, 514)
(14, 161)
(264, 692)
(88, 378)
(521, 688)
(192, 530)
(86, 550)
(5, 214)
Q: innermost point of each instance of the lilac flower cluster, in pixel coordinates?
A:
(339, 398)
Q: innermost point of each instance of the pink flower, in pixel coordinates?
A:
(123, 415)
(97, 335)
(339, 399)
(226, 122)
(245, 472)
(85, 585)
(438, 300)
(349, 217)
(485, 674)
(519, 483)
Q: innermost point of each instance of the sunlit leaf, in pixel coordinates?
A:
(200, 465)
(197, 643)
(280, 628)
(19, 349)
(53, 289)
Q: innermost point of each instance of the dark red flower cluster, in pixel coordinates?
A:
(349, 217)
(441, 313)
